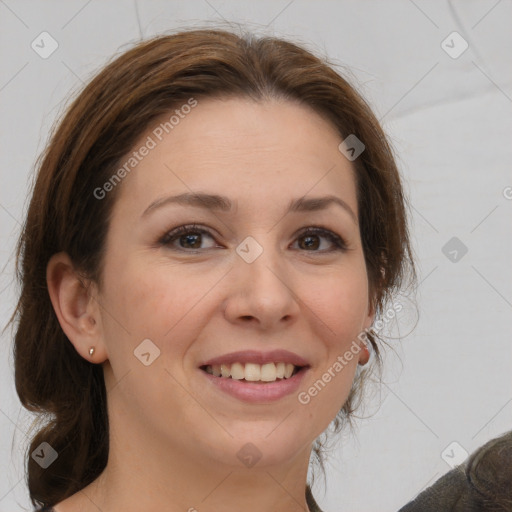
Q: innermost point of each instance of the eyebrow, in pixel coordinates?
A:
(217, 202)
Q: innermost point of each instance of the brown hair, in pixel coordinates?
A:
(101, 126)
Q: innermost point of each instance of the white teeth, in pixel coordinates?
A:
(288, 370)
(224, 370)
(237, 371)
(252, 372)
(268, 372)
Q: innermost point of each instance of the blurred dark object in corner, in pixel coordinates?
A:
(482, 484)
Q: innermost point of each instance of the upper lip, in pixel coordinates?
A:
(257, 357)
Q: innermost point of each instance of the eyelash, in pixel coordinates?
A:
(336, 240)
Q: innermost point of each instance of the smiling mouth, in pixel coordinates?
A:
(251, 372)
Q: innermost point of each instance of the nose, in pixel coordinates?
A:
(262, 292)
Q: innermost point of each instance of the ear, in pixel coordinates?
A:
(76, 307)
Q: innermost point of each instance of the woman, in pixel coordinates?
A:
(216, 226)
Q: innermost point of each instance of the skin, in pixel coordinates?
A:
(173, 436)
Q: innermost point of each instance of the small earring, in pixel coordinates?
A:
(91, 351)
(364, 348)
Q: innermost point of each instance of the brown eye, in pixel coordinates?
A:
(311, 240)
(186, 237)
(190, 241)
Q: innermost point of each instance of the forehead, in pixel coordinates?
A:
(267, 151)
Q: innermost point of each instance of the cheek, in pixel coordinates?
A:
(327, 390)
(341, 305)
(146, 296)
(156, 302)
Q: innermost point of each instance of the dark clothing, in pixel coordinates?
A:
(482, 484)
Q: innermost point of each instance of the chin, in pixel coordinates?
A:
(273, 445)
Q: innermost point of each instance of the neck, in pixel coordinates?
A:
(131, 483)
(155, 475)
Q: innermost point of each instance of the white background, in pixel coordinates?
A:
(450, 123)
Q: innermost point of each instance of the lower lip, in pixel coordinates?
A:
(256, 392)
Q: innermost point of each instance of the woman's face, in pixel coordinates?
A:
(248, 278)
